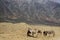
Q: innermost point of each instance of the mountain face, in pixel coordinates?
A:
(31, 11)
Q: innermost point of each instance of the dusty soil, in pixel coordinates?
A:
(9, 31)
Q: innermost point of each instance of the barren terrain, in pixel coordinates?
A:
(9, 31)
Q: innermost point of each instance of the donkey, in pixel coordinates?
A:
(49, 33)
(33, 32)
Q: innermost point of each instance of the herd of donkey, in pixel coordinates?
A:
(34, 33)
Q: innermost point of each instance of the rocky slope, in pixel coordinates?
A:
(30, 11)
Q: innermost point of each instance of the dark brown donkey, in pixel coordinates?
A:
(33, 32)
(49, 33)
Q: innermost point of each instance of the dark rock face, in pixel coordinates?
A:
(32, 11)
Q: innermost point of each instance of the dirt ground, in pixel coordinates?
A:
(18, 31)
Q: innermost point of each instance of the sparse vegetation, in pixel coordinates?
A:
(18, 31)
